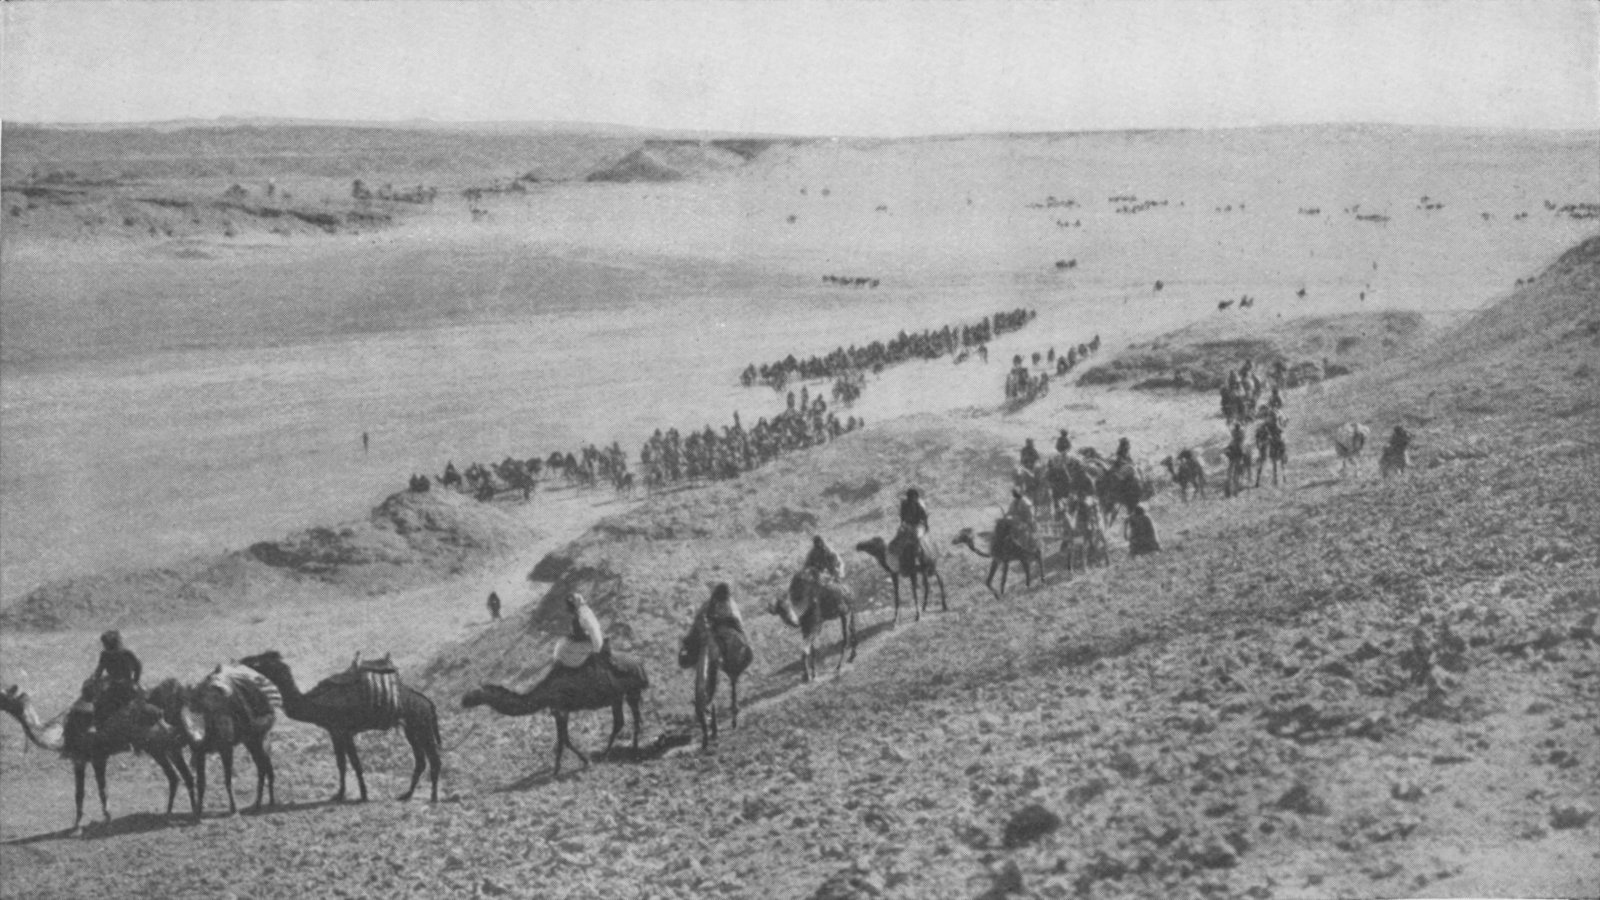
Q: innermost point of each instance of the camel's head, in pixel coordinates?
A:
(270, 664)
(783, 606)
(875, 547)
(1170, 465)
(15, 702)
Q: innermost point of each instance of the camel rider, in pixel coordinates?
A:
(913, 525)
(822, 560)
(1140, 532)
(1029, 456)
(583, 639)
(913, 514)
(1275, 400)
(720, 611)
(1124, 453)
(1021, 510)
(1063, 443)
(118, 673)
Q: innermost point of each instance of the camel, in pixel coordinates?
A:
(1348, 443)
(603, 680)
(351, 702)
(1069, 477)
(138, 727)
(1012, 542)
(911, 559)
(808, 606)
(1118, 485)
(1187, 473)
(1084, 534)
(1396, 456)
(709, 649)
(233, 705)
(1270, 446)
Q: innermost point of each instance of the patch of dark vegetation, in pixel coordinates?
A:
(845, 493)
(784, 521)
(326, 221)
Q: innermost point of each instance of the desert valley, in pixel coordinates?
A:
(225, 347)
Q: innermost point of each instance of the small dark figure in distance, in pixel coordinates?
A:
(494, 606)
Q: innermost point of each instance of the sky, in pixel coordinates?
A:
(887, 68)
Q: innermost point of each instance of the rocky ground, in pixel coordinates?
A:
(1335, 687)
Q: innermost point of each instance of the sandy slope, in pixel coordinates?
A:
(1334, 688)
(1237, 716)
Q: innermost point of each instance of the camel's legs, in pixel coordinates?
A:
(419, 761)
(616, 724)
(79, 766)
(339, 759)
(165, 763)
(944, 601)
(265, 777)
(733, 693)
(633, 707)
(226, 753)
(561, 740)
(355, 765)
(564, 740)
(200, 783)
(100, 784)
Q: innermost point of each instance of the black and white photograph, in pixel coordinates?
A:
(829, 450)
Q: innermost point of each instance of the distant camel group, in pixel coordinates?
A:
(878, 355)
(844, 281)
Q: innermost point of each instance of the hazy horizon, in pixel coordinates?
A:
(811, 68)
(239, 120)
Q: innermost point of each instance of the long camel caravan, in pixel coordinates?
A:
(741, 354)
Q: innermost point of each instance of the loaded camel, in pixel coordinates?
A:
(603, 680)
(359, 699)
(1012, 542)
(138, 726)
(231, 706)
(908, 557)
(715, 643)
(811, 604)
(1117, 484)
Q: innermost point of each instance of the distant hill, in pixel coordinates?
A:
(676, 160)
(304, 150)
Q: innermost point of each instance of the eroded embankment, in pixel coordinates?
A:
(646, 571)
(408, 540)
(1311, 349)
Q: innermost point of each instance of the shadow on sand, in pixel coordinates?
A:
(661, 746)
(144, 823)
